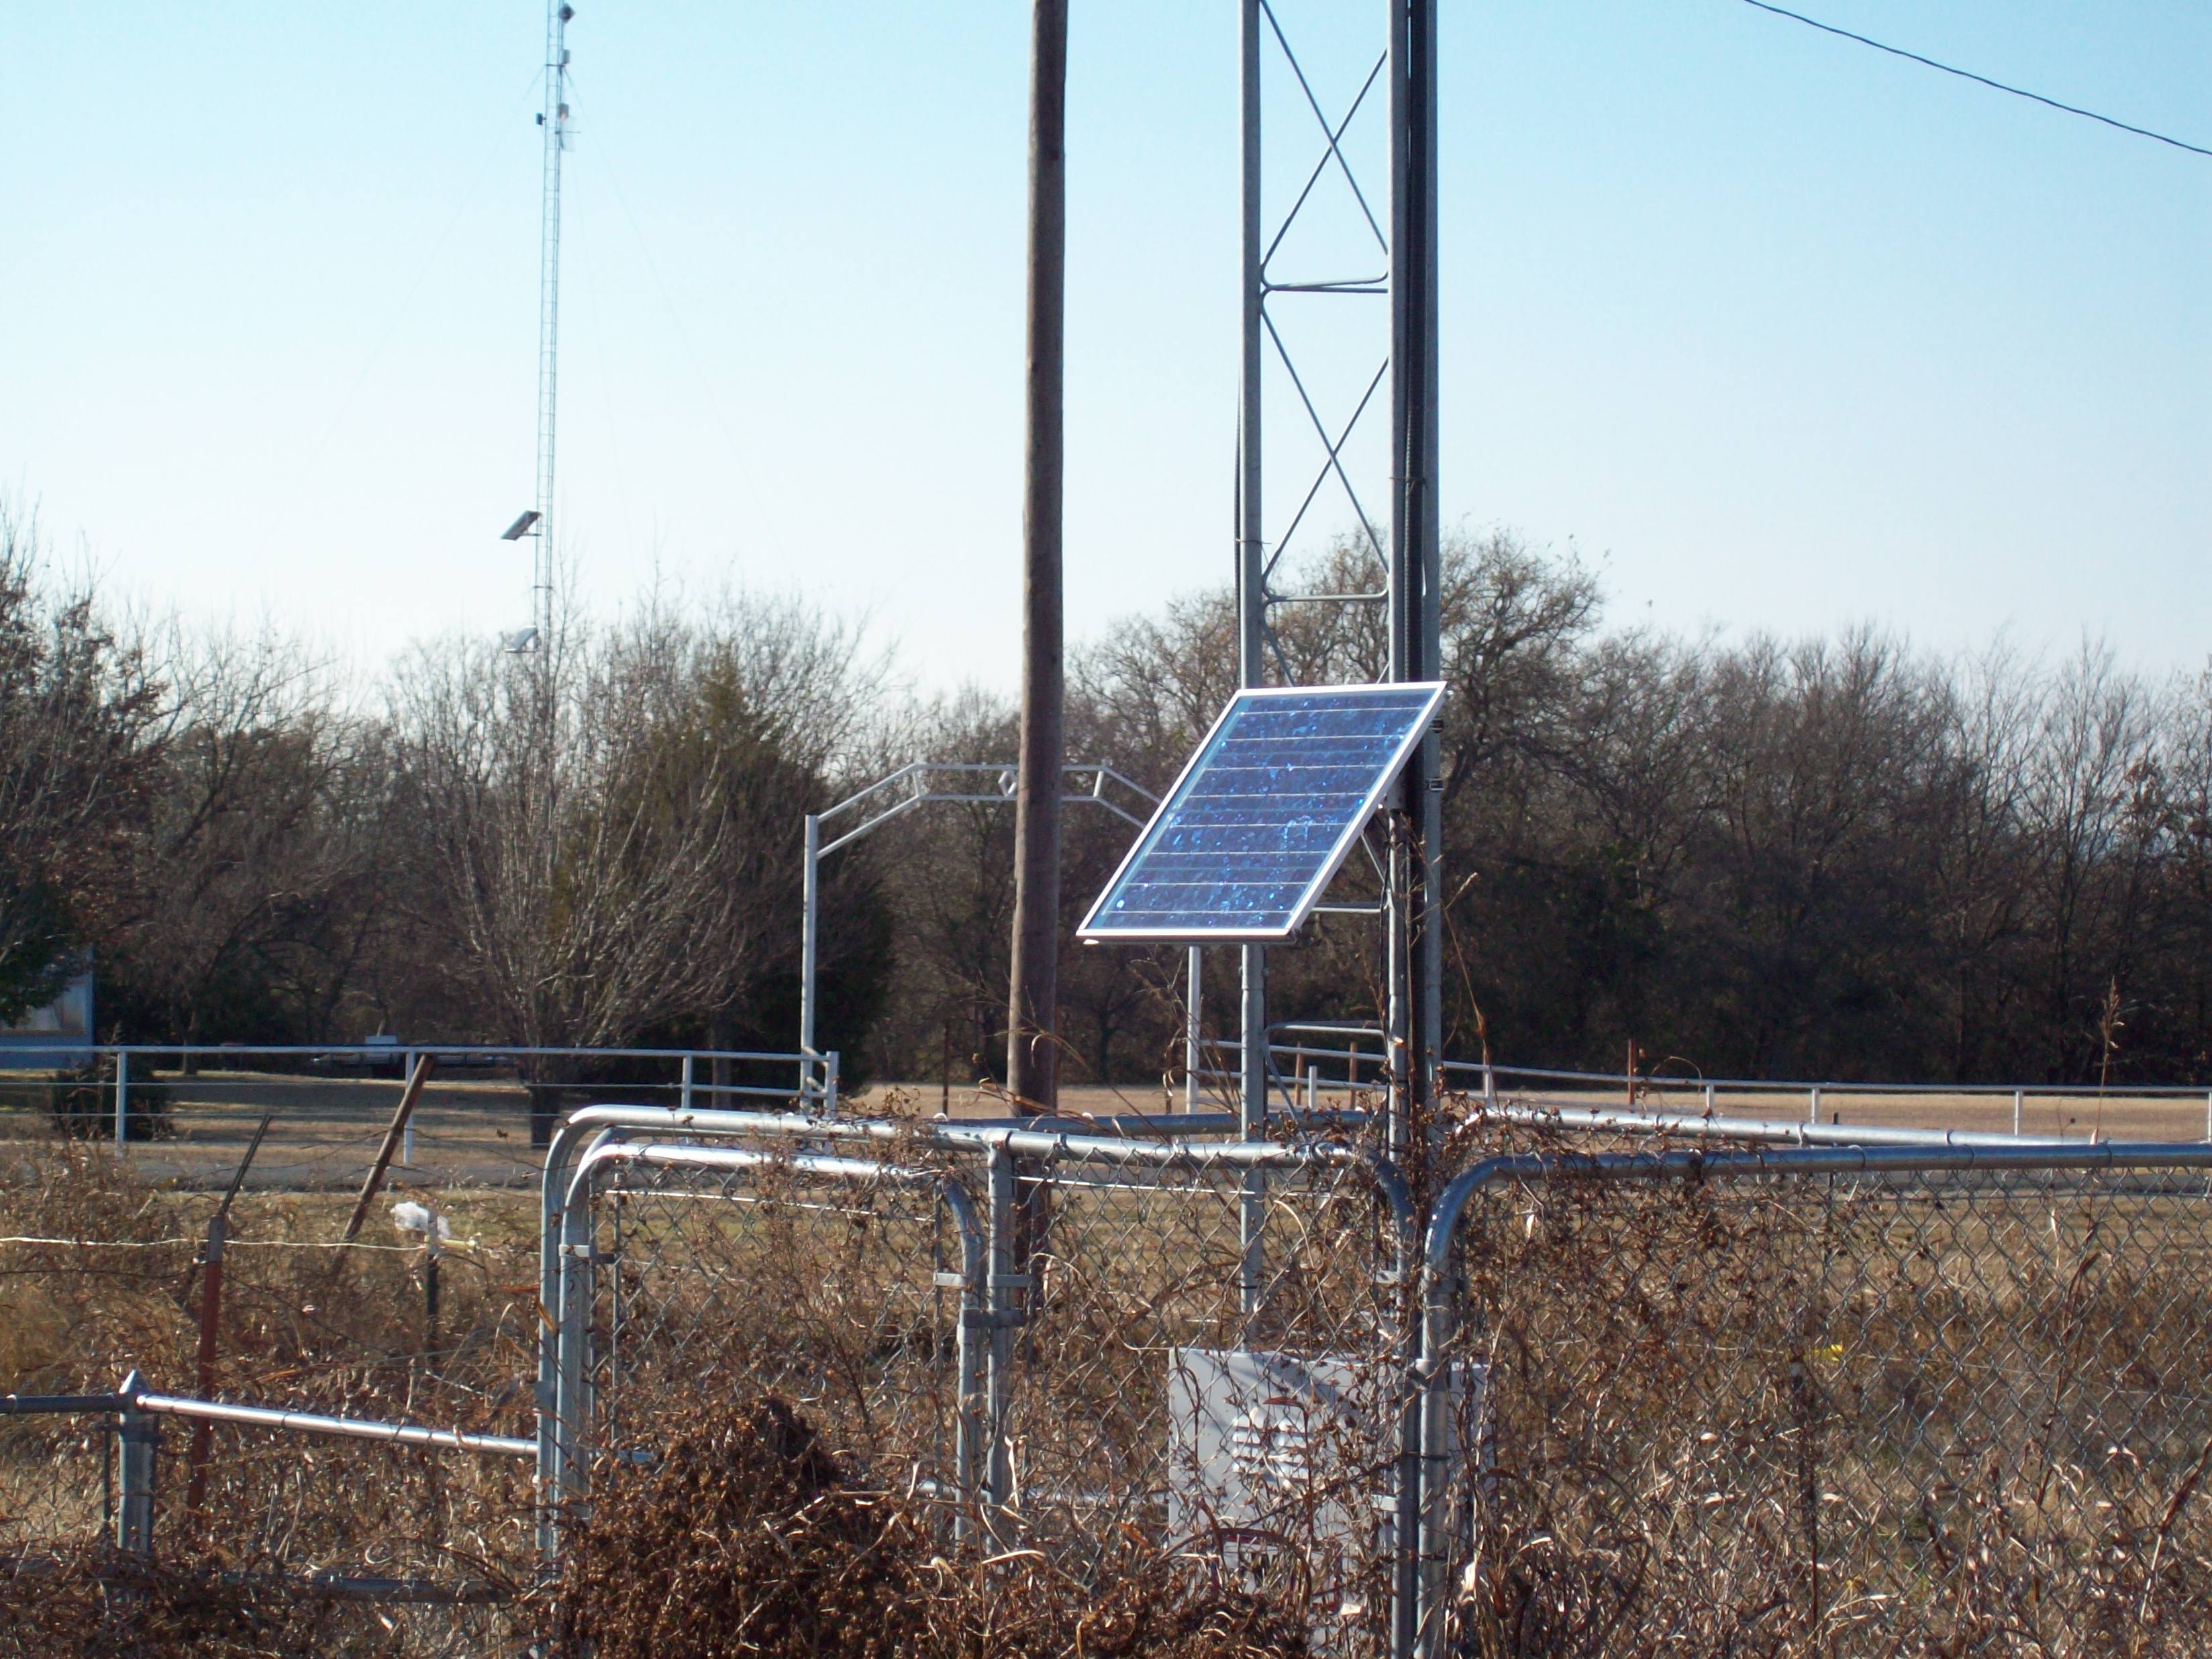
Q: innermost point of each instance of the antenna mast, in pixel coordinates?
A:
(555, 120)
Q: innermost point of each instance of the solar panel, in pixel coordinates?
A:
(1265, 814)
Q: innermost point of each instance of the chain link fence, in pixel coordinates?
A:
(1203, 1349)
(1823, 1403)
(1638, 1399)
(844, 1284)
(1073, 1342)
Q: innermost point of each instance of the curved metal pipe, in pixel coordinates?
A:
(1786, 1131)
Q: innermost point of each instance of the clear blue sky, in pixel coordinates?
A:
(1787, 333)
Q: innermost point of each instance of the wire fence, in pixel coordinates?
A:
(482, 1117)
(1569, 1387)
(1824, 1402)
(843, 1285)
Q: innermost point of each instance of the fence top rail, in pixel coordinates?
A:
(1803, 1085)
(1166, 1148)
(398, 1050)
(1789, 1131)
(132, 1398)
(1700, 1164)
(592, 1126)
(60, 1404)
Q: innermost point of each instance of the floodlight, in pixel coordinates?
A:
(521, 527)
(522, 640)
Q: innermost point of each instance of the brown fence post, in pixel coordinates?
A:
(210, 1329)
(369, 1188)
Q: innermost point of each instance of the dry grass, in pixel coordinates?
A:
(304, 1325)
(749, 1537)
(1919, 1415)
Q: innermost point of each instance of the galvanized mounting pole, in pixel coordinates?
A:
(1194, 1052)
(1032, 1012)
(809, 928)
(1251, 548)
(1416, 934)
(1416, 941)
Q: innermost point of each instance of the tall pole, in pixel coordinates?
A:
(1033, 1003)
(1415, 945)
(555, 120)
(1251, 549)
(809, 921)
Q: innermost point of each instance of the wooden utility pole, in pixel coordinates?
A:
(1033, 1005)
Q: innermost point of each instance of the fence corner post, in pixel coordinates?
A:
(139, 1436)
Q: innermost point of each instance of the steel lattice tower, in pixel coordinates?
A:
(1402, 238)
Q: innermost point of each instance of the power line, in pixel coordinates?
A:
(1980, 80)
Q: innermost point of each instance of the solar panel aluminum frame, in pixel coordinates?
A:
(1385, 779)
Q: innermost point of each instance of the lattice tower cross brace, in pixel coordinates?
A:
(1414, 952)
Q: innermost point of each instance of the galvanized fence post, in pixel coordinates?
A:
(138, 1438)
(122, 1097)
(971, 1416)
(1000, 1313)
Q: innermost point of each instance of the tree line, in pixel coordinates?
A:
(1839, 857)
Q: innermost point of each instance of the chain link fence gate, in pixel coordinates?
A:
(688, 1273)
(1822, 1402)
(1084, 1344)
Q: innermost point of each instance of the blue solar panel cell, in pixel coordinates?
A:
(1265, 813)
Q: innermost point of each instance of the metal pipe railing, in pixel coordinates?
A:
(1787, 1131)
(341, 1428)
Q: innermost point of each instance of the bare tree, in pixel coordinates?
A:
(78, 732)
(610, 832)
(254, 896)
